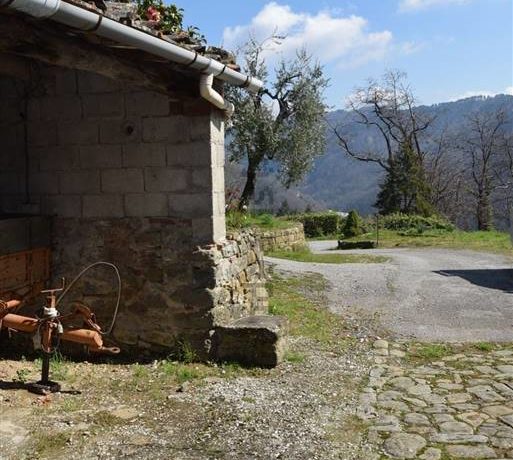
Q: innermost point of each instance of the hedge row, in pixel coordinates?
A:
(405, 222)
(320, 224)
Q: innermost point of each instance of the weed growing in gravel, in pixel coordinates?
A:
(47, 445)
(484, 346)
(426, 352)
(21, 376)
(300, 299)
(294, 357)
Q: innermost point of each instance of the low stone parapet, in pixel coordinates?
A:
(283, 238)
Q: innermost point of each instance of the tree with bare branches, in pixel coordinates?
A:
(486, 149)
(388, 108)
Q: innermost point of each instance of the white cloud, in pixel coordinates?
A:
(330, 37)
(415, 5)
(484, 93)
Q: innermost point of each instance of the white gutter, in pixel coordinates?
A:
(88, 21)
(211, 95)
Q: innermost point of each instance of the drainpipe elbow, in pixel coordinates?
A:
(211, 95)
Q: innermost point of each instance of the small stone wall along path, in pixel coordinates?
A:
(459, 406)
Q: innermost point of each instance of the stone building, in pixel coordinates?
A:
(112, 151)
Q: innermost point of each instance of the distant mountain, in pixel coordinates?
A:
(341, 183)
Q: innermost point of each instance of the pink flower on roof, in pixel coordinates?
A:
(152, 14)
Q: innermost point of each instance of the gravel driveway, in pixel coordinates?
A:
(423, 293)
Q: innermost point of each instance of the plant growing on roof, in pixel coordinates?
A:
(283, 123)
(167, 18)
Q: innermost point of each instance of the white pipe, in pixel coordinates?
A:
(88, 21)
(211, 95)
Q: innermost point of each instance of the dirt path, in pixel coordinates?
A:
(426, 294)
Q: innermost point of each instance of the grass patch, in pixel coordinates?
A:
(305, 255)
(294, 357)
(300, 299)
(492, 241)
(484, 346)
(49, 444)
(429, 352)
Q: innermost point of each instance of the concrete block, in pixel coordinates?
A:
(42, 133)
(62, 205)
(146, 103)
(100, 156)
(65, 81)
(11, 110)
(40, 232)
(11, 203)
(78, 133)
(173, 129)
(9, 182)
(165, 179)
(44, 183)
(94, 83)
(14, 235)
(57, 158)
(102, 206)
(254, 341)
(120, 131)
(137, 155)
(33, 109)
(202, 178)
(218, 159)
(7, 87)
(78, 182)
(146, 205)
(109, 105)
(197, 205)
(197, 153)
(217, 129)
(200, 128)
(122, 180)
(60, 108)
(203, 231)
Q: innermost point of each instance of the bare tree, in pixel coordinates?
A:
(388, 108)
(485, 147)
(445, 172)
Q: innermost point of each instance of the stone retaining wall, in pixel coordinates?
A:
(134, 178)
(285, 238)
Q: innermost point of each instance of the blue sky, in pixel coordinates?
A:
(449, 48)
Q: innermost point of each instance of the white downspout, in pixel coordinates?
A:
(211, 95)
(88, 21)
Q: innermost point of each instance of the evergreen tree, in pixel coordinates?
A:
(389, 108)
(352, 225)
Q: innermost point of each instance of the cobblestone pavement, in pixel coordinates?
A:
(455, 405)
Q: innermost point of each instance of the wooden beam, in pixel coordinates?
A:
(53, 44)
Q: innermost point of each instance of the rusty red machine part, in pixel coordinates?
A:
(52, 328)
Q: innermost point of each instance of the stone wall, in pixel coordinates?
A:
(283, 238)
(98, 149)
(137, 179)
(170, 293)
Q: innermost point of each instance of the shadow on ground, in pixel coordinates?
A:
(494, 278)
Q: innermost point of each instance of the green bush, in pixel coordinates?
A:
(415, 223)
(320, 224)
(352, 225)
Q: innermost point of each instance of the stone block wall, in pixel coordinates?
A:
(98, 149)
(283, 238)
(137, 179)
